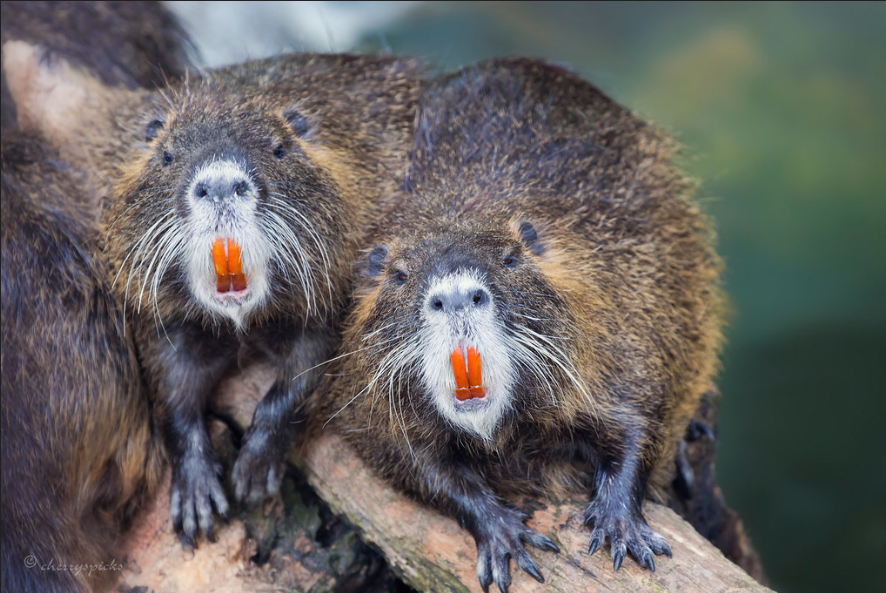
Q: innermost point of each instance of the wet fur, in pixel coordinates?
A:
(343, 123)
(79, 450)
(615, 305)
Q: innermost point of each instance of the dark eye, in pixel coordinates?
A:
(167, 159)
(279, 152)
(400, 277)
(509, 261)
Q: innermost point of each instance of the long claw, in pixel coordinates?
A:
(648, 561)
(534, 573)
(618, 555)
(596, 542)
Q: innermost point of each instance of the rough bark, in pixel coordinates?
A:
(297, 542)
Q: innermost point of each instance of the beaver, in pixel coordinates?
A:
(236, 208)
(80, 453)
(128, 44)
(540, 313)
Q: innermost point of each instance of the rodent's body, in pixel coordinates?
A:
(238, 203)
(542, 230)
(79, 449)
(127, 44)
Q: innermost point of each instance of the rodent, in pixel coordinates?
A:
(537, 312)
(237, 206)
(127, 44)
(80, 452)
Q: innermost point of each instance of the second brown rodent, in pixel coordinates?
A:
(540, 314)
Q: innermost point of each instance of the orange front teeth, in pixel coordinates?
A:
(228, 266)
(468, 377)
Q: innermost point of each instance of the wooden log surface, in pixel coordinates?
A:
(432, 553)
(428, 551)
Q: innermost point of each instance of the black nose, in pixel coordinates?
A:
(455, 300)
(222, 188)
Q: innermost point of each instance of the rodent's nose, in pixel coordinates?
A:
(221, 181)
(456, 299)
(222, 189)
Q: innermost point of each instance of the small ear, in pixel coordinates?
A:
(377, 261)
(529, 237)
(298, 122)
(153, 128)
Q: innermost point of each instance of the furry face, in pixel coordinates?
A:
(464, 290)
(236, 173)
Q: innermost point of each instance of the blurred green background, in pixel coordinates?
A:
(782, 109)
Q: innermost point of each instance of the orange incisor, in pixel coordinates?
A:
(228, 266)
(468, 376)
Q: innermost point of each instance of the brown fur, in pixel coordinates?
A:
(622, 278)
(348, 137)
(79, 453)
(127, 44)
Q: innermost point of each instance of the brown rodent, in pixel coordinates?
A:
(128, 44)
(281, 160)
(79, 450)
(541, 313)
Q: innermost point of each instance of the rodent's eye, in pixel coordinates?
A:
(167, 159)
(279, 152)
(400, 277)
(509, 261)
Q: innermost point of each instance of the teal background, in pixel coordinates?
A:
(782, 109)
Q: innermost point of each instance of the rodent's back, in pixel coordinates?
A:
(79, 454)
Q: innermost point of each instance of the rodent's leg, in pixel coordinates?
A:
(498, 530)
(616, 509)
(184, 367)
(259, 468)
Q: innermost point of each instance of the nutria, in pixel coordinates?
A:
(128, 44)
(540, 313)
(236, 210)
(79, 449)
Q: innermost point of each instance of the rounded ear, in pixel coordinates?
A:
(529, 237)
(153, 128)
(377, 261)
(298, 122)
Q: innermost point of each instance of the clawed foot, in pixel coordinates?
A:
(195, 491)
(627, 531)
(502, 537)
(259, 468)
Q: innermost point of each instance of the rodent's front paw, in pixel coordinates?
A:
(259, 468)
(502, 537)
(627, 532)
(195, 491)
